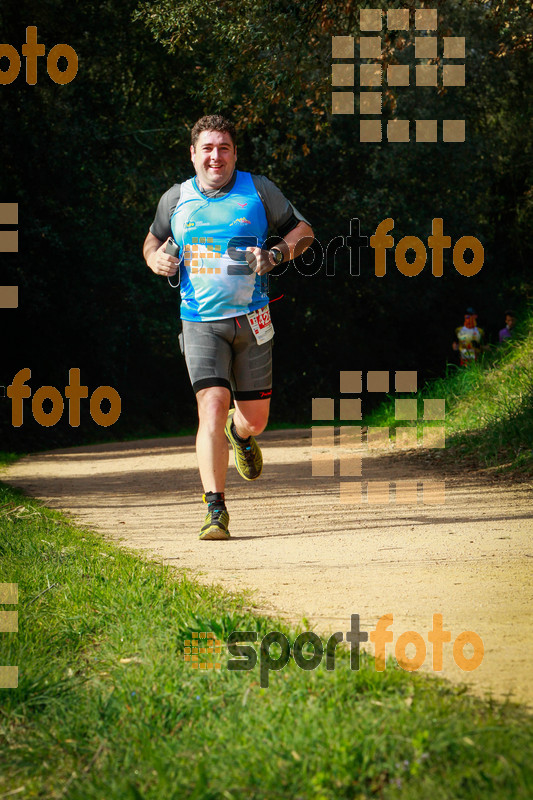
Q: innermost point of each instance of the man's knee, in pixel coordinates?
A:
(257, 425)
(213, 405)
(253, 417)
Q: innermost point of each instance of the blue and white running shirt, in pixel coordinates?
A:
(213, 234)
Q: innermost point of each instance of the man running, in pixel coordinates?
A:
(219, 219)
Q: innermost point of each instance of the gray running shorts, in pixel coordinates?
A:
(225, 353)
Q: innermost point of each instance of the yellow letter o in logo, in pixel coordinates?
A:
(47, 419)
(410, 243)
(62, 76)
(105, 393)
(8, 75)
(414, 663)
(468, 664)
(468, 243)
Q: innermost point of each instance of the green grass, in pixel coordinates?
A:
(9, 458)
(489, 407)
(107, 707)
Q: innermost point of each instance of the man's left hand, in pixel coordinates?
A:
(259, 260)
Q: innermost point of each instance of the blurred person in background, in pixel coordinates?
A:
(469, 339)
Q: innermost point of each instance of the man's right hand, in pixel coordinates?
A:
(160, 263)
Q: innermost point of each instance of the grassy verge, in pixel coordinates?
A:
(489, 407)
(106, 705)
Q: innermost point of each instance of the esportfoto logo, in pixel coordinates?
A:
(373, 69)
(204, 645)
(353, 441)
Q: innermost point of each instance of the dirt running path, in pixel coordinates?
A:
(305, 554)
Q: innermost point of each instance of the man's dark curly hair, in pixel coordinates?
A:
(213, 122)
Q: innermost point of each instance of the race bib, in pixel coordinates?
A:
(261, 324)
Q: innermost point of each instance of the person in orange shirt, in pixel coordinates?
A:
(469, 339)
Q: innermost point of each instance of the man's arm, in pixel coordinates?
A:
(283, 217)
(156, 258)
(154, 244)
(296, 241)
(293, 244)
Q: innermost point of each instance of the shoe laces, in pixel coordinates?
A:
(216, 511)
(249, 453)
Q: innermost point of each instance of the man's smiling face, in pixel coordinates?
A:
(214, 159)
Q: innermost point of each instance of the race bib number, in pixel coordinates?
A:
(261, 324)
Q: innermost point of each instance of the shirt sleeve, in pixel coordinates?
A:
(280, 212)
(160, 227)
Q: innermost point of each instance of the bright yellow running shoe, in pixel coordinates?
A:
(248, 457)
(216, 524)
